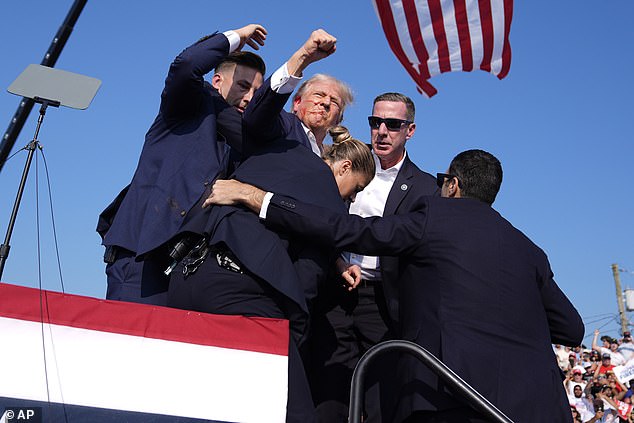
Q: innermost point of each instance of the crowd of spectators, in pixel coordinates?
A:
(594, 391)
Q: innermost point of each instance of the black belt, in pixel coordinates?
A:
(368, 283)
(114, 252)
(201, 251)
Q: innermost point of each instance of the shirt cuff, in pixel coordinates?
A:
(234, 40)
(265, 204)
(282, 82)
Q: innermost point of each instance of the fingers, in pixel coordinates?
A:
(222, 193)
(319, 45)
(324, 40)
(323, 43)
(352, 276)
(208, 202)
(355, 271)
(351, 281)
(257, 37)
(253, 34)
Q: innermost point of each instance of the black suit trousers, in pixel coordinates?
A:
(345, 325)
(213, 289)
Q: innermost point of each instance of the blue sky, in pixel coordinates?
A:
(561, 123)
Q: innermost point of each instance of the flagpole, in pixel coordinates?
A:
(50, 58)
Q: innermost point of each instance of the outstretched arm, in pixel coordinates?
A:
(319, 45)
(253, 35)
(184, 85)
(595, 344)
(263, 117)
(229, 192)
(391, 235)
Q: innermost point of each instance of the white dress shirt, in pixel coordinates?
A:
(371, 202)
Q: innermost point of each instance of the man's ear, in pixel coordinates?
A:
(453, 190)
(410, 131)
(296, 101)
(216, 80)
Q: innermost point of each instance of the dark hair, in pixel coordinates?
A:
(242, 58)
(345, 147)
(479, 174)
(401, 98)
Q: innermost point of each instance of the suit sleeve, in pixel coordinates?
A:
(391, 235)
(228, 123)
(184, 85)
(311, 263)
(565, 323)
(263, 118)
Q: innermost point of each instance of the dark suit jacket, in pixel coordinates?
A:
(182, 154)
(477, 293)
(266, 120)
(291, 264)
(411, 183)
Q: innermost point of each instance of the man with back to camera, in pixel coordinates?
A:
(186, 148)
(348, 322)
(479, 294)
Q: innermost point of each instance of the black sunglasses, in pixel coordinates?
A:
(440, 179)
(392, 124)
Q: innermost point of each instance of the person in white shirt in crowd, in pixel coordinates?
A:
(582, 404)
(627, 346)
(574, 378)
(617, 358)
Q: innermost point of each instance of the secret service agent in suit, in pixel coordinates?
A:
(243, 268)
(346, 323)
(185, 149)
(318, 104)
(479, 294)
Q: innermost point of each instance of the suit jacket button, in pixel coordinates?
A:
(287, 204)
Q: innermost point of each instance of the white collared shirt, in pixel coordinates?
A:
(317, 149)
(282, 82)
(234, 40)
(371, 202)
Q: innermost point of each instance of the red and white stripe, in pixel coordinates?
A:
(67, 349)
(430, 37)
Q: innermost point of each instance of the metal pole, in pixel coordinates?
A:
(453, 381)
(619, 297)
(34, 144)
(50, 58)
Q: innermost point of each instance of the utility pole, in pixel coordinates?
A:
(619, 297)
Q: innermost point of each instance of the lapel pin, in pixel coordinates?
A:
(404, 187)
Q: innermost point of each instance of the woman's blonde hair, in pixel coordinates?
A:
(345, 147)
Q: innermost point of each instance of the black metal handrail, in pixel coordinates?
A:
(454, 382)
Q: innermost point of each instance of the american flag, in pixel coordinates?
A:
(430, 37)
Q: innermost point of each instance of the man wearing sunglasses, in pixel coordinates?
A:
(348, 322)
(476, 293)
